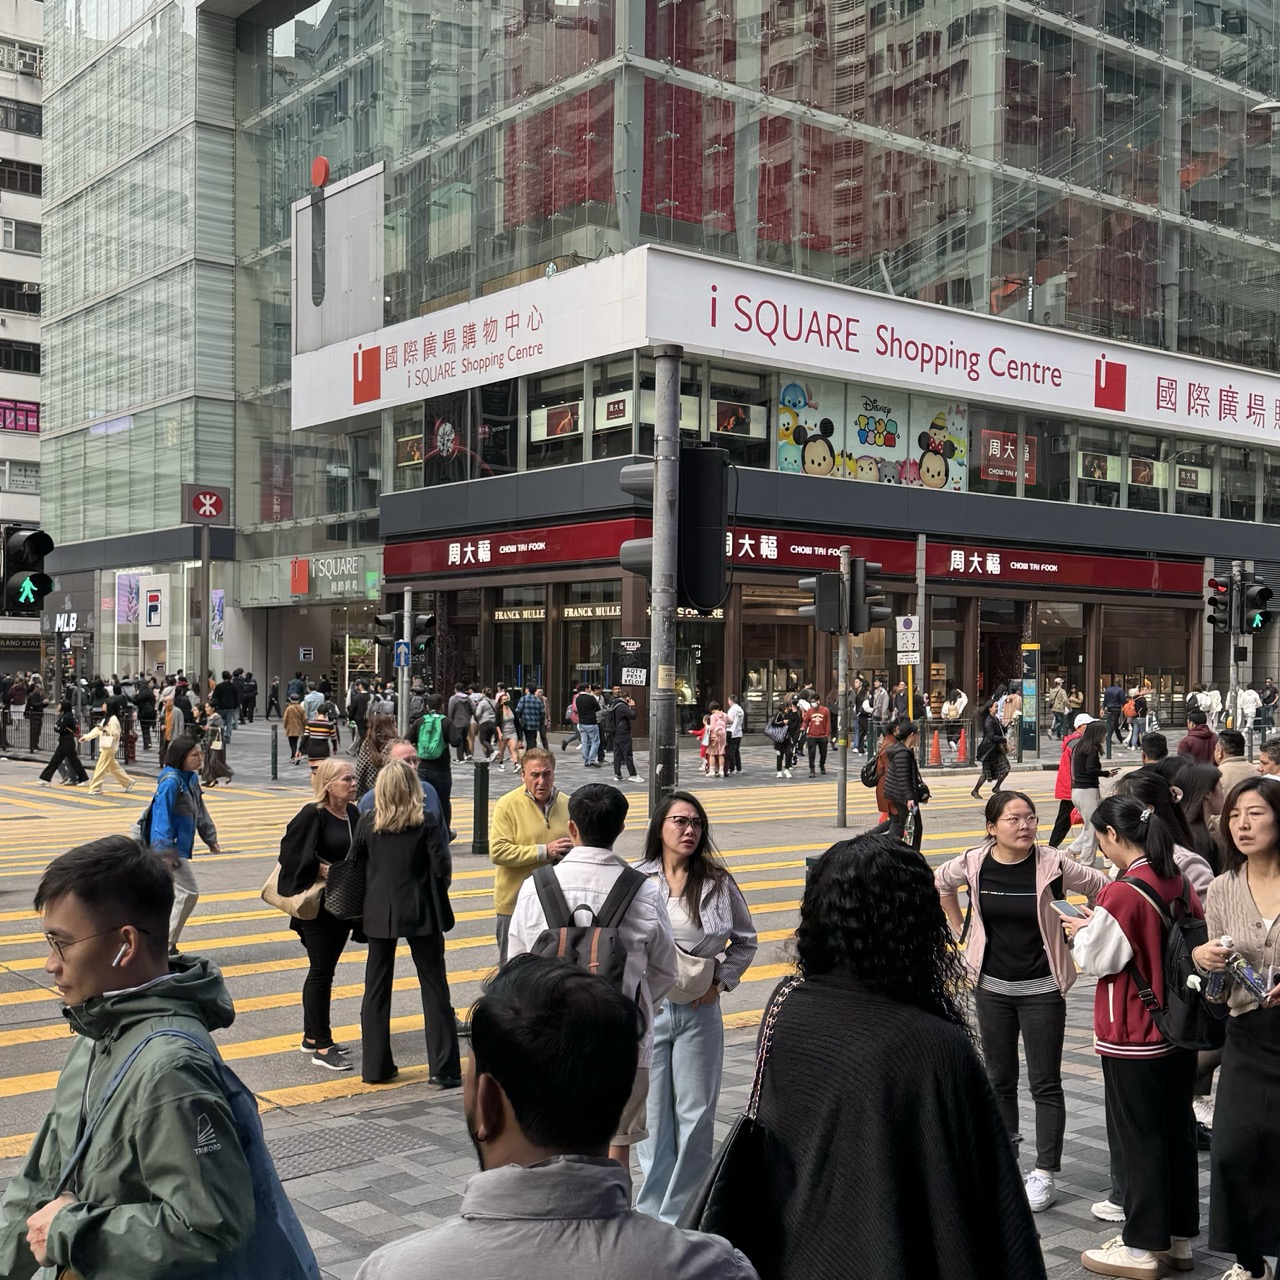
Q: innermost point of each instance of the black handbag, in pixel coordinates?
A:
(344, 888)
(733, 1200)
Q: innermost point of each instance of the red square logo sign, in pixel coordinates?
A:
(1110, 383)
(366, 375)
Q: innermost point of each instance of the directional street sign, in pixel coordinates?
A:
(908, 634)
(402, 653)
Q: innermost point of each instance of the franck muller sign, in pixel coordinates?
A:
(654, 295)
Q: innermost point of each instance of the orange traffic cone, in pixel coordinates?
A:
(962, 749)
(935, 751)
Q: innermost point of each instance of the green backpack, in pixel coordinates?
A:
(431, 737)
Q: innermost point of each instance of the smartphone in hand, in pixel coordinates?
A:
(1065, 908)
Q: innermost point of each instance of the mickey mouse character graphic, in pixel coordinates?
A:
(817, 457)
(935, 459)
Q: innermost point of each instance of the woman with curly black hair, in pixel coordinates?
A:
(886, 1155)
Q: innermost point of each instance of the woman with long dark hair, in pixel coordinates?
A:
(1149, 787)
(992, 752)
(371, 755)
(1086, 781)
(1020, 965)
(1244, 904)
(1202, 798)
(1148, 1081)
(716, 942)
(858, 1143)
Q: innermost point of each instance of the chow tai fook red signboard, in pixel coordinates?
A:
(1002, 566)
(486, 552)
(747, 546)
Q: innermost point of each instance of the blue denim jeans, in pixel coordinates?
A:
(684, 1087)
(590, 736)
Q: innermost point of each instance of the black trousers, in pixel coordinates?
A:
(531, 738)
(273, 701)
(293, 744)
(437, 773)
(437, 1008)
(896, 826)
(1115, 725)
(1062, 824)
(146, 726)
(35, 723)
(818, 746)
(71, 756)
(1042, 1022)
(732, 754)
(1149, 1115)
(623, 756)
(324, 938)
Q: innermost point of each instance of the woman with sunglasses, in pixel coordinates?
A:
(715, 943)
(1020, 965)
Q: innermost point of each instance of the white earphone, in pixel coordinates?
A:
(115, 964)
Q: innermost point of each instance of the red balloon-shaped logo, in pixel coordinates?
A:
(319, 171)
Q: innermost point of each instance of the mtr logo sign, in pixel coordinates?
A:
(366, 375)
(1110, 384)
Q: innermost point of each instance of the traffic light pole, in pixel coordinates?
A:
(1237, 625)
(663, 757)
(402, 673)
(842, 685)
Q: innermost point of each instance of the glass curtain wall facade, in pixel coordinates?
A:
(138, 305)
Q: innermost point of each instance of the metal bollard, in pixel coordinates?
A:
(1110, 730)
(275, 751)
(1017, 728)
(480, 817)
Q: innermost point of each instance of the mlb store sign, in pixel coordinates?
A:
(653, 296)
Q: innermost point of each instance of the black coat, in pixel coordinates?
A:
(622, 715)
(407, 875)
(883, 1145)
(299, 862)
(224, 696)
(144, 699)
(902, 781)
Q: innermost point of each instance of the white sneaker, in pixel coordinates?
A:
(502, 768)
(1114, 1259)
(636, 778)
(1243, 1273)
(779, 775)
(1203, 1108)
(1177, 1257)
(1041, 1192)
(787, 772)
(1107, 1211)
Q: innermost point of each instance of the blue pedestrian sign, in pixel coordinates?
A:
(402, 653)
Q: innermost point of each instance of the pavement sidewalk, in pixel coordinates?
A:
(365, 1171)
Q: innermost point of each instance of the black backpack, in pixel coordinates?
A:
(595, 947)
(870, 774)
(1185, 1019)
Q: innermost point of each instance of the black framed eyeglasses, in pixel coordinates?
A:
(58, 946)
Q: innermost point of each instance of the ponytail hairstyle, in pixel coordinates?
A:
(1140, 825)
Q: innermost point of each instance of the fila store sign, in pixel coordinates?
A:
(652, 296)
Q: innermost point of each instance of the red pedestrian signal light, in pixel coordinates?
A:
(1219, 605)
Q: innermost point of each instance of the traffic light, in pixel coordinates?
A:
(394, 626)
(424, 633)
(1219, 604)
(827, 609)
(1255, 597)
(25, 582)
(703, 522)
(869, 604)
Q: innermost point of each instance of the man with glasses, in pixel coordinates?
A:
(164, 1183)
(529, 828)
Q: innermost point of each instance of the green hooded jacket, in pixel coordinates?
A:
(164, 1188)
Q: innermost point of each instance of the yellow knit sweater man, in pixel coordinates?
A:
(529, 828)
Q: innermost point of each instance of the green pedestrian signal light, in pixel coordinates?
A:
(1257, 598)
(25, 582)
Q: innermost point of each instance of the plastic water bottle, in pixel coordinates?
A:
(1216, 983)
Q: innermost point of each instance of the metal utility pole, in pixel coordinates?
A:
(206, 609)
(842, 684)
(402, 673)
(1237, 625)
(664, 771)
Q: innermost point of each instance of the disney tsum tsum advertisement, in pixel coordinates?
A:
(871, 433)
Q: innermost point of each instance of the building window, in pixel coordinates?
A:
(21, 117)
(18, 176)
(20, 477)
(20, 295)
(20, 357)
(19, 415)
(22, 237)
